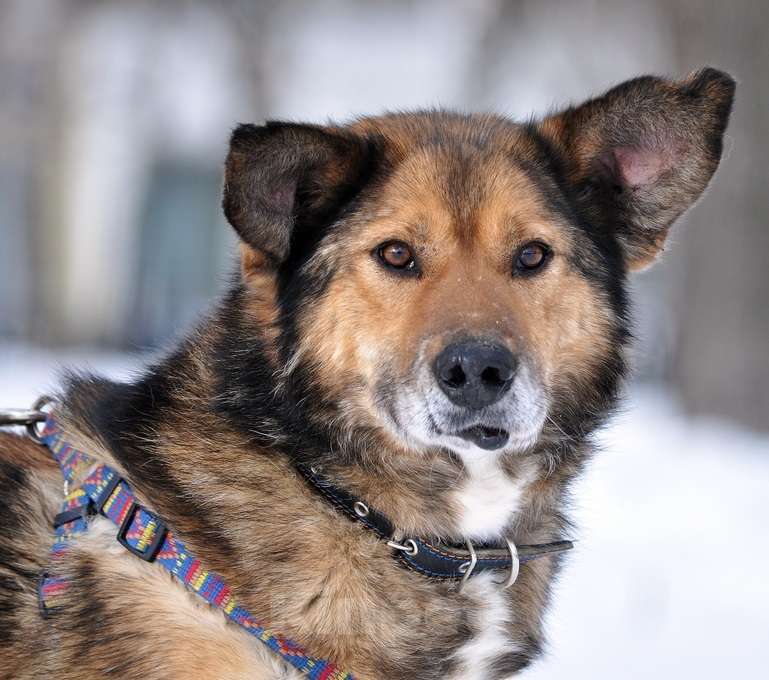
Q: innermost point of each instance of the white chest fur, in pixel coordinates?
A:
(491, 612)
(488, 498)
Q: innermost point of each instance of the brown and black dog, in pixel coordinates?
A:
(431, 308)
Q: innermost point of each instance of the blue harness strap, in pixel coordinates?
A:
(145, 535)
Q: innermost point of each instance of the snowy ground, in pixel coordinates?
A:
(669, 577)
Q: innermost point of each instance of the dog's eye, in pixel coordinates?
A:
(531, 257)
(397, 255)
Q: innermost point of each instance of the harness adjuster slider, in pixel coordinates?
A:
(80, 512)
(150, 552)
(106, 493)
(43, 608)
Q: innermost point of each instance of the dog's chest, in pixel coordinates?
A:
(491, 617)
(488, 498)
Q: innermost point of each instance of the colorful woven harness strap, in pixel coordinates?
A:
(145, 535)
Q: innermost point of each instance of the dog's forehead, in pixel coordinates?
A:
(468, 178)
(402, 133)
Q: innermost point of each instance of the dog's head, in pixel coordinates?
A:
(457, 282)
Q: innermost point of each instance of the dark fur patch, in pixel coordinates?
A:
(124, 416)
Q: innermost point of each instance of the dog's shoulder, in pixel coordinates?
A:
(125, 616)
(30, 491)
(29, 484)
(116, 611)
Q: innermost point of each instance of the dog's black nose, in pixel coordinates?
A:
(475, 373)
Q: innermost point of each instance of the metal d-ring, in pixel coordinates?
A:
(515, 564)
(467, 568)
(409, 546)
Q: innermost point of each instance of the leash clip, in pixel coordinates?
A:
(20, 416)
(27, 417)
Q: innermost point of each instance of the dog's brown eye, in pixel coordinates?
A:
(531, 257)
(397, 255)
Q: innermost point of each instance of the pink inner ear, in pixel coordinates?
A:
(280, 196)
(282, 199)
(634, 166)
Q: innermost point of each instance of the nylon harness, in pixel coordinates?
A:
(144, 534)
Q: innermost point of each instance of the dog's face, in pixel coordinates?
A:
(454, 303)
(456, 282)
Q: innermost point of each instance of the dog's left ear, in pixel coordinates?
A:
(641, 154)
(284, 178)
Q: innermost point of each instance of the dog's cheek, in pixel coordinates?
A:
(359, 350)
(574, 333)
(335, 345)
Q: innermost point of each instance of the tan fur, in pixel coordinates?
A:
(215, 457)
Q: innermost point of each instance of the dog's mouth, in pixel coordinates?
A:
(484, 437)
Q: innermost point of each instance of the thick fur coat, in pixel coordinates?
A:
(367, 250)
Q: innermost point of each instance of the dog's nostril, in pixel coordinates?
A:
(455, 377)
(491, 376)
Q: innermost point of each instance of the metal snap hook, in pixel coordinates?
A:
(19, 416)
(29, 418)
(38, 406)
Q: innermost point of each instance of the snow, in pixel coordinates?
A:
(27, 372)
(668, 577)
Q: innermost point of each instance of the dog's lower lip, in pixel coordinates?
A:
(489, 438)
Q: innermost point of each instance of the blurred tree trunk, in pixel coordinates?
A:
(721, 359)
(28, 40)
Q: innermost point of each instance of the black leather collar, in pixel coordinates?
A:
(439, 561)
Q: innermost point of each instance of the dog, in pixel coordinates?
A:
(429, 321)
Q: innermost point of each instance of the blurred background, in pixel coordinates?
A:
(114, 118)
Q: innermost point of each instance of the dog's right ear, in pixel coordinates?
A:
(283, 176)
(642, 153)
